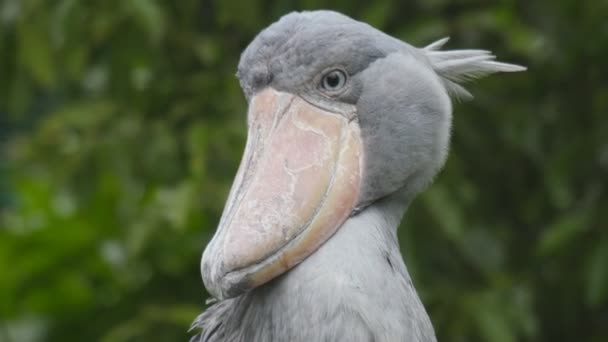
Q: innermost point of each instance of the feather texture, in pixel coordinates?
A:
(460, 66)
(355, 288)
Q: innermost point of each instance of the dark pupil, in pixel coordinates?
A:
(333, 80)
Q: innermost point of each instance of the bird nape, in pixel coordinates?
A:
(346, 125)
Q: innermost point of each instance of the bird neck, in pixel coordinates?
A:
(355, 287)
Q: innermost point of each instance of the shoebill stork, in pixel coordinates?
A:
(345, 126)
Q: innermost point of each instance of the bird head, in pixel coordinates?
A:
(340, 115)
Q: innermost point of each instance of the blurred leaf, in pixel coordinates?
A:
(444, 210)
(597, 275)
(150, 16)
(562, 232)
(35, 52)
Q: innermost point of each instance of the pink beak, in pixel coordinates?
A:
(298, 181)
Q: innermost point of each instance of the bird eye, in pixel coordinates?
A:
(334, 80)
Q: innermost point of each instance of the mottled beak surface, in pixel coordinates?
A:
(298, 181)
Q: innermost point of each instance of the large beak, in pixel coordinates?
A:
(298, 181)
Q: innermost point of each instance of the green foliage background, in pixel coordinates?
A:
(122, 125)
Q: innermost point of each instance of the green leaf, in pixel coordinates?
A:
(596, 276)
(35, 52)
(150, 17)
(445, 211)
(563, 232)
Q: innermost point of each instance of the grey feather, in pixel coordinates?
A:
(460, 66)
(327, 297)
(438, 44)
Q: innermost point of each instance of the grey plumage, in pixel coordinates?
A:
(355, 287)
(459, 66)
(327, 298)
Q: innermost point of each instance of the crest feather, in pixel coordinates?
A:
(460, 66)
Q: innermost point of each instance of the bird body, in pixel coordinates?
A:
(346, 126)
(327, 297)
